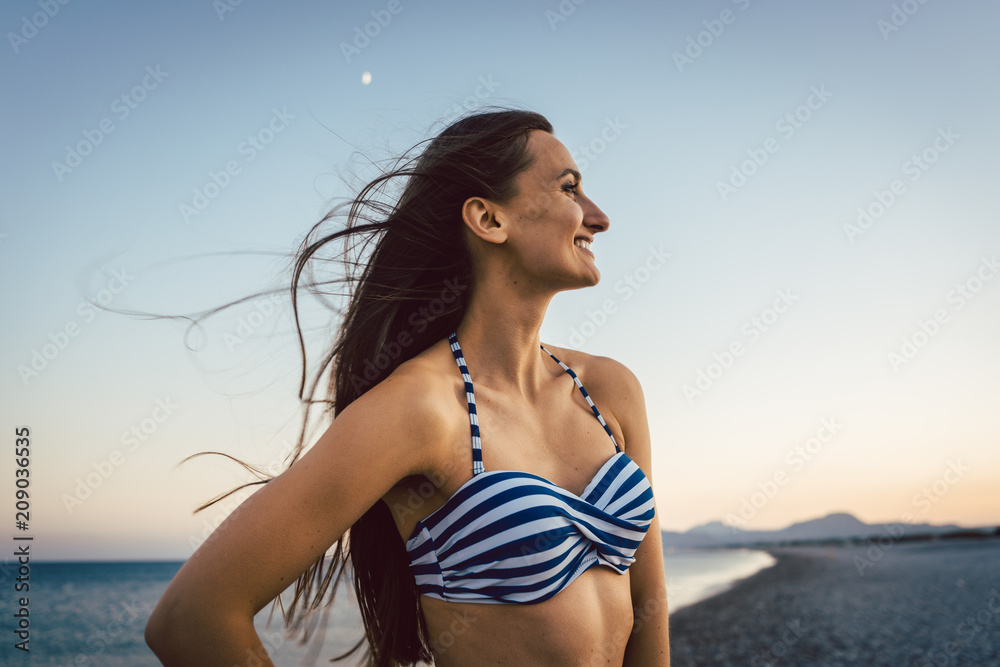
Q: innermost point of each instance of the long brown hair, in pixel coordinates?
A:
(409, 249)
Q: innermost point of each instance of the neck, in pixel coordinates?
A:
(499, 335)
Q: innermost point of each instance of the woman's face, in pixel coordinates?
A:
(551, 222)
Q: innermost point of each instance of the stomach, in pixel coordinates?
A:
(587, 623)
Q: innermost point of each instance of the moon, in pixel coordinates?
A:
(366, 78)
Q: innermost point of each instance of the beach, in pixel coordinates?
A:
(881, 603)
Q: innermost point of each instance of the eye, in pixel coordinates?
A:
(571, 187)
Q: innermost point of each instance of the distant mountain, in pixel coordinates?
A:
(837, 526)
(715, 529)
(829, 526)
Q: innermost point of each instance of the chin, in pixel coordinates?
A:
(588, 281)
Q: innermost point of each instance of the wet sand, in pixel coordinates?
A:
(898, 603)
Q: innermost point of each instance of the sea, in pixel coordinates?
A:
(89, 614)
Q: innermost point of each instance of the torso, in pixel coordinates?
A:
(558, 438)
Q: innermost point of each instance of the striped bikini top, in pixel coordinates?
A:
(513, 537)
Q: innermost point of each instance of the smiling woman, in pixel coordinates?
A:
(491, 499)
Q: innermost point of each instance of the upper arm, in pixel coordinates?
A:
(388, 433)
(649, 644)
(628, 405)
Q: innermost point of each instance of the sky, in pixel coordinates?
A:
(801, 266)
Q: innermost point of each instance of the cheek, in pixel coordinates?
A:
(535, 208)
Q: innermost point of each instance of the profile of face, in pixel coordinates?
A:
(545, 232)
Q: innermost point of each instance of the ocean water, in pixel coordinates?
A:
(695, 574)
(88, 614)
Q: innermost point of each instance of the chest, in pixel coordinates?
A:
(559, 439)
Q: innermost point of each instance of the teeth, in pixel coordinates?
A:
(583, 243)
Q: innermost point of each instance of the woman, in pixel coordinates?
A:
(498, 512)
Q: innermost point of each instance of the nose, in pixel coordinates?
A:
(594, 218)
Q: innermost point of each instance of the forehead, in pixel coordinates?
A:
(551, 156)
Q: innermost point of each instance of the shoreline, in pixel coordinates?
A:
(706, 572)
(935, 603)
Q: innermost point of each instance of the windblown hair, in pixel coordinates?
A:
(408, 250)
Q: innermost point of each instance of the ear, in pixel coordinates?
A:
(481, 216)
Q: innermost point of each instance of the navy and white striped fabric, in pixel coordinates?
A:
(514, 537)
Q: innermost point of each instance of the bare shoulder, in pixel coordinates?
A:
(601, 374)
(418, 399)
(616, 391)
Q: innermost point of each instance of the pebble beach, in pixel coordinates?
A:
(882, 603)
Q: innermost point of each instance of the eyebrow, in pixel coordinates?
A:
(570, 171)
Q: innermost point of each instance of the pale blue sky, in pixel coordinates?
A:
(676, 135)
